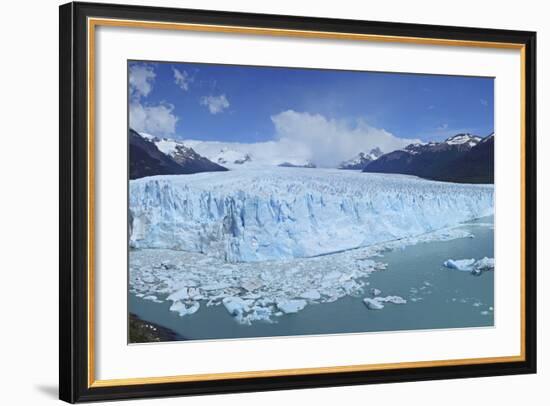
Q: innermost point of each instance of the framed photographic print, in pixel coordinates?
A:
(256, 202)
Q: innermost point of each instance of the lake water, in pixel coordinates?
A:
(436, 298)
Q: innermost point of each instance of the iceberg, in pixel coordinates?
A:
(286, 213)
(378, 302)
(235, 305)
(485, 263)
(375, 292)
(291, 306)
(183, 310)
(311, 294)
(373, 304)
(471, 265)
(465, 265)
(392, 299)
(179, 295)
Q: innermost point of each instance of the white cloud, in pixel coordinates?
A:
(141, 78)
(215, 104)
(182, 79)
(158, 120)
(331, 141)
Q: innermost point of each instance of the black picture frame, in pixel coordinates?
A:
(74, 384)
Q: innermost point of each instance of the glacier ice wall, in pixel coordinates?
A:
(284, 213)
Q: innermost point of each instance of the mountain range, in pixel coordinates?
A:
(463, 158)
(361, 160)
(155, 156)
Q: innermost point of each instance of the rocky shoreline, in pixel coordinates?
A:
(141, 331)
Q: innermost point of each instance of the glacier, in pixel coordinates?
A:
(274, 214)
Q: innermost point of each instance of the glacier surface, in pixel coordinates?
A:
(285, 213)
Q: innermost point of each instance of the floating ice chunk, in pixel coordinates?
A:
(183, 310)
(471, 265)
(235, 305)
(152, 298)
(291, 306)
(373, 304)
(377, 303)
(194, 293)
(465, 265)
(311, 294)
(351, 286)
(193, 308)
(260, 314)
(485, 263)
(178, 295)
(392, 299)
(375, 292)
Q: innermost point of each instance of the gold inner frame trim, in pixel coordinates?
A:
(94, 22)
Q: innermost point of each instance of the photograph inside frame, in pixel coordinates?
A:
(274, 201)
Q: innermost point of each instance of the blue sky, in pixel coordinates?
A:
(252, 104)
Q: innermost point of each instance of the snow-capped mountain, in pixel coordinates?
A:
(448, 160)
(155, 156)
(489, 138)
(281, 153)
(228, 156)
(308, 164)
(361, 160)
(271, 213)
(186, 156)
(459, 139)
(237, 155)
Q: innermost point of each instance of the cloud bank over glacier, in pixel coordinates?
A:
(302, 137)
(331, 141)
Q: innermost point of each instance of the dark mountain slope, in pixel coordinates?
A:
(147, 160)
(477, 166)
(462, 158)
